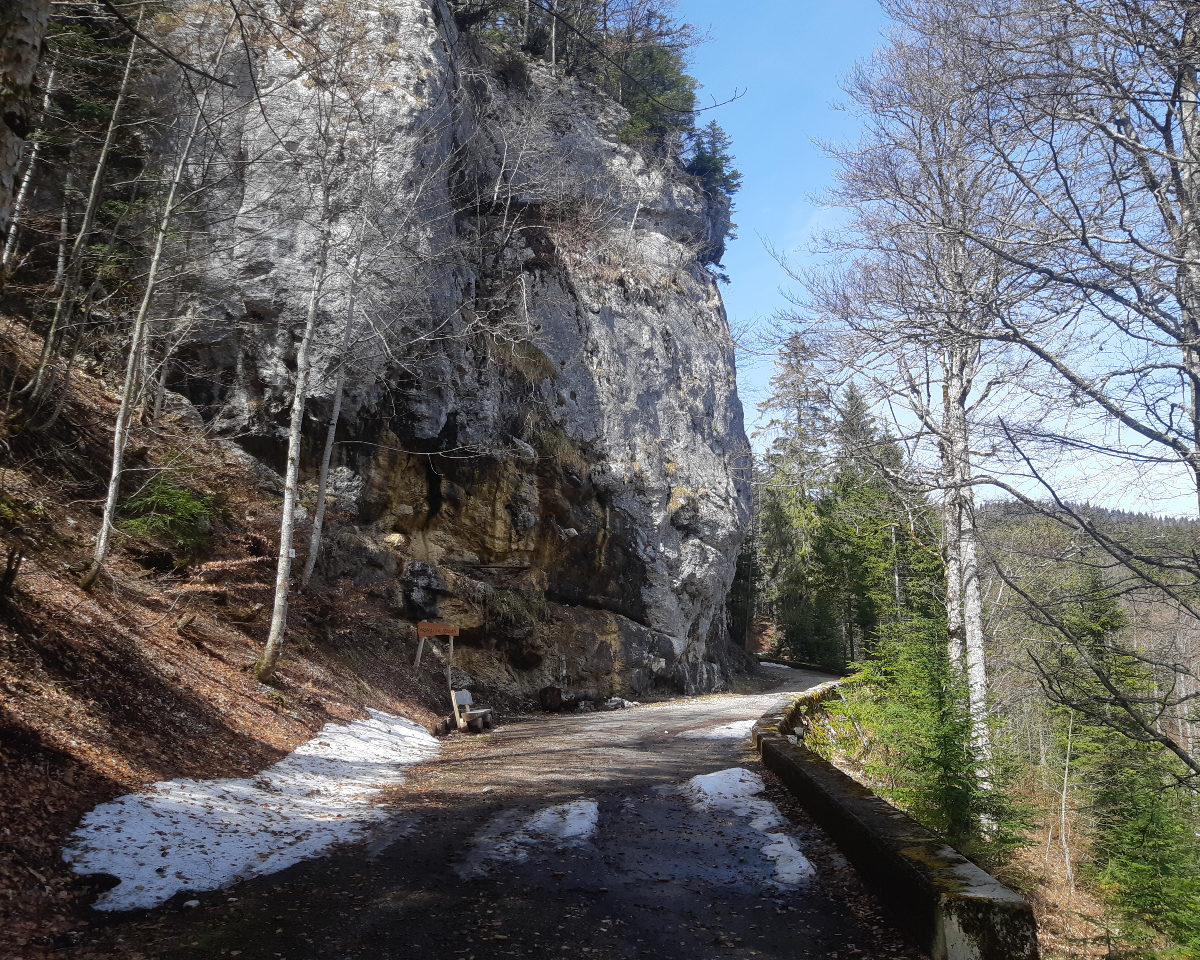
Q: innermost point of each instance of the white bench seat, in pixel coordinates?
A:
(465, 716)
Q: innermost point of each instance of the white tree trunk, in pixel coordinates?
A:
(265, 669)
(38, 138)
(964, 599)
(70, 284)
(64, 223)
(314, 540)
(22, 26)
(977, 686)
(1062, 809)
(137, 345)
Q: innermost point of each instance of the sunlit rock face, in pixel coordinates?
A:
(541, 435)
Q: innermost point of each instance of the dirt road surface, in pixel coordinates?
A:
(600, 835)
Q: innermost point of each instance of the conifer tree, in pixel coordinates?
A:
(1144, 860)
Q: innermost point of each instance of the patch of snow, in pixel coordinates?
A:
(738, 730)
(777, 666)
(736, 791)
(567, 823)
(205, 834)
(507, 839)
(792, 867)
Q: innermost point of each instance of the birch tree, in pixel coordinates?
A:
(907, 316)
(137, 334)
(22, 195)
(22, 25)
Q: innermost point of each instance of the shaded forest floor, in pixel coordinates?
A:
(148, 676)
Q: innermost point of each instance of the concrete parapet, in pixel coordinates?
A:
(954, 909)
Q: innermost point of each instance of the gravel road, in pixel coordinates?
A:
(612, 835)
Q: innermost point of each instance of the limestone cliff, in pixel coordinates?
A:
(542, 439)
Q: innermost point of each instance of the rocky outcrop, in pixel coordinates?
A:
(542, 439)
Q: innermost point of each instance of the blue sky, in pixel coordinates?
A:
(789, 58)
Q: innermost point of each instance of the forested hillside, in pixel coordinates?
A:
(986, 397)
(322, 319)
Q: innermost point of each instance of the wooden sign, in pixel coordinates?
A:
(427, 629)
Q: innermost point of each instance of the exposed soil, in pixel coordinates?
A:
(148, 676)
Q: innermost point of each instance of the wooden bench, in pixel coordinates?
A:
(466, 717)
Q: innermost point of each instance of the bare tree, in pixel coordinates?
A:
(1089, 110)
(68, 291)
(22, 25)
(907, 314)
(1092, 109)
(137, 345)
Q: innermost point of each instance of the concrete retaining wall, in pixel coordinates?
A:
(955, 910)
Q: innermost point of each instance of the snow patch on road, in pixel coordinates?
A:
(792, 867)
(738, 730)
(777, 666)
(567, 823)
(506, 838)
(204, 834)
(736, 791)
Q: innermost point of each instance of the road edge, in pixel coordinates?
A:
(954, 909)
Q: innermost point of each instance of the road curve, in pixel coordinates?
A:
(608, 835)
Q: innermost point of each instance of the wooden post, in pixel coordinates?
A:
(428, 629)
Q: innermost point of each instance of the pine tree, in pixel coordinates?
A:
(1144, 856)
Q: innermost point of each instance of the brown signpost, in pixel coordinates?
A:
(428, 629)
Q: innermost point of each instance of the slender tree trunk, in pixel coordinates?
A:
(1188, 118)
(973, 622)
(64, 223)
(553, 32)
(265, 668)
(38, 138)
(314, 540)
(954, 620)
(137, 344)
(160, 380)
(22, 26)
(1062, 808)
(895, 569)
(67, 294)
(964, 600)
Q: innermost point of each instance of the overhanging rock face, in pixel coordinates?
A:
(954, 909)
(542, 439)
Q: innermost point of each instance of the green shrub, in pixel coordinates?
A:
(162, 510)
